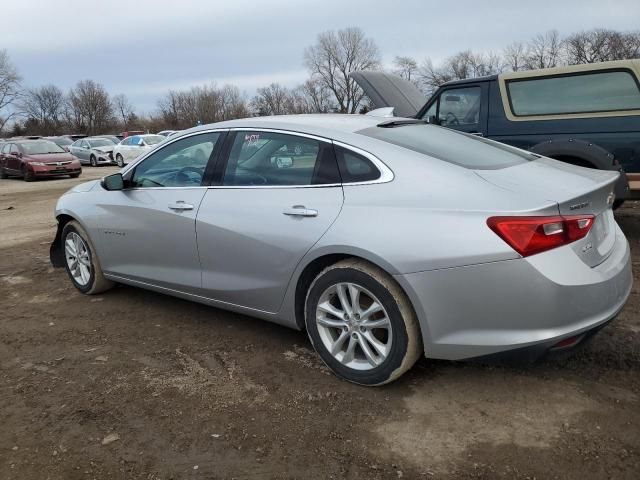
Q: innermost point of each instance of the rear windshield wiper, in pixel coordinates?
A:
(402, 123)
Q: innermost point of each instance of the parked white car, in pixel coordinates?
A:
(132, 147)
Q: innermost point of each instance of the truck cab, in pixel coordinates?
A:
(586, 115)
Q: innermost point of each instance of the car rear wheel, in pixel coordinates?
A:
(93, 161)
(81, 262)
(119, 160)
(361, 323)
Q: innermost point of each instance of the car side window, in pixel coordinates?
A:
(266, 158)
(459, 107)
(178, 164)
(84, 144)
(355, 167)
(134, 141)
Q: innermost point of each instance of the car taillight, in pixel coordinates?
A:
(531, 235)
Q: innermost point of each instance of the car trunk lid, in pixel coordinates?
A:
(576, 190)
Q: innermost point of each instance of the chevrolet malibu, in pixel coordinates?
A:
(386, 239)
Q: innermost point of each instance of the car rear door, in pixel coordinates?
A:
(148, 230)
(274, 197)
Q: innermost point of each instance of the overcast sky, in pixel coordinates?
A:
(142, 48)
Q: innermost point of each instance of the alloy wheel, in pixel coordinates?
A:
(78, 259)
(354, 326)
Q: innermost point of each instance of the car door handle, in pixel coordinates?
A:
(180, 206)
(300, 211)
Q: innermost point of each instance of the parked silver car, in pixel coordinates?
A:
(386, 238)
(93, 150)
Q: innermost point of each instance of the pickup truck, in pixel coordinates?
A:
(586, 115)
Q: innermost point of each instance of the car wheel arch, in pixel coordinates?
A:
(56, 251)
(576, 152)
(312, 268)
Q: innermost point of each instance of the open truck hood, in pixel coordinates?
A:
(388, 90)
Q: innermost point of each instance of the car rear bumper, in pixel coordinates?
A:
(481, 310)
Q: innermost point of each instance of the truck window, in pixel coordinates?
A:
(592, 92)
(459, 107)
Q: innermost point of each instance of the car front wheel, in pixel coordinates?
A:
(81, 262)
(361, 323)
(119, 160)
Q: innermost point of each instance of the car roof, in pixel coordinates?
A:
(321, 124)
(465, 81)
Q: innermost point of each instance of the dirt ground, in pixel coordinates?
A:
(134, 384)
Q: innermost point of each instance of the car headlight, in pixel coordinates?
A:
(38, 164)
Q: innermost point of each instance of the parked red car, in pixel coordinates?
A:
(31, 159)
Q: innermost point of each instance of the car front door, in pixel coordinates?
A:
(133, 149)
(148, 229)
(275, 195)
(83, 151)
(13, 158)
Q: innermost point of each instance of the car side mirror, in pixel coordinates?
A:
(432, 120)
(113, 182)
(141, 143)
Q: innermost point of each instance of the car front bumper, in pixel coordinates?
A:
(53, 170)
(484, 309)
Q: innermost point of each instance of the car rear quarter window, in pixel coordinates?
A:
(354, 167)
(592, 92)
(451, 146)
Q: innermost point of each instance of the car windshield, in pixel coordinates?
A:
(40, 147)
(62, 141)
(153, 139)
(100, 142)
(460, 148)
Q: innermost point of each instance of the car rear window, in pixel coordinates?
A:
(578, 93)
(460, 148)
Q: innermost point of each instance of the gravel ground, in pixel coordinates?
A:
(134, 384)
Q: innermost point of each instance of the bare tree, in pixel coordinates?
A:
(601, 45)
(406, 67)
(466, 64)
(544, 50)
(9, 88)
(334, 56)
(44, 108)
(273, 100)
(90, 104)
(124, 110)
(201, 104)
(515, 56)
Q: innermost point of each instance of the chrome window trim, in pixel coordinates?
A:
(386, 174)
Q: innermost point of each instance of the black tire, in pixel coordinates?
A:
(3, 174)
(97, 282)
(74, 175)
(617, 204)
(119, 161)
(93, 161)
(406, 341)
(27, 176)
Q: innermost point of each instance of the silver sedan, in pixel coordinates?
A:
(386, 239)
